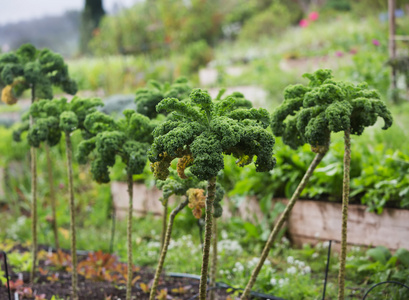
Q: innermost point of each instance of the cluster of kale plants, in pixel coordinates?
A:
(175, 122)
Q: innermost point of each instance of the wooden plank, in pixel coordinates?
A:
(322, 221)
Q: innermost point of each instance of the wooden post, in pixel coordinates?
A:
(392, 46)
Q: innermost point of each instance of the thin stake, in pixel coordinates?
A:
(7, 273)
(326, 270)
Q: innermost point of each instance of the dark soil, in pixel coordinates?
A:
(176, 287)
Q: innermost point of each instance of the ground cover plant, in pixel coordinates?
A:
(200, 131)
(38, 71)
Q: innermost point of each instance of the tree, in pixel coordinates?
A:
(129, 139)
(39, 71)
(329, 106)
(91, 16)
(182, 185)
(198, 132)
(52, 119)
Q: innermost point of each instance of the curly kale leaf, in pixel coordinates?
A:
(204, 130)
(310, 113)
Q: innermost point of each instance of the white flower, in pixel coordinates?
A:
(314, 255)
(239, 267)
(282, 282)
(325, 244)
(291, 270)
(273, 281)
(306, 270)
(299, 263)
(224, 235)
(290, 260)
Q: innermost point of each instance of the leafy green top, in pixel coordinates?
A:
(57, 116)
(128, 138)
(200, 130)
(28, 67)
(147, 98)
(310, 113)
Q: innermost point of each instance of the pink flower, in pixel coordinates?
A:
(303, 23)
(353, 51)
(313, 16)
(339, 53)
(376, 42)
(61, 185)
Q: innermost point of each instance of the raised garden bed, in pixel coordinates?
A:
(309, 222)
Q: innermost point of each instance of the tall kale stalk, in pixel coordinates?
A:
(128, 139)
(199, 131)
(39, 71)
(52, 119)
(326, 106)
(68, 122)
(52, 196)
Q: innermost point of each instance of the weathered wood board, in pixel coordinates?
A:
(321, 221)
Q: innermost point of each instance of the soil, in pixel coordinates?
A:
(177, 288)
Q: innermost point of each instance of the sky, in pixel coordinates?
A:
(12, 11)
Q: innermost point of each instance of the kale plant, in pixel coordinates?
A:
(198, 132)
(309, 114)
(127, 138)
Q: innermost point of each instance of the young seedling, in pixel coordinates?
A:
(199, 131)
(129, 139)
(322, 107)
(52, 119)
(39, 71)
(187, 185)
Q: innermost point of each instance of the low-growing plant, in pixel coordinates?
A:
(199, 131)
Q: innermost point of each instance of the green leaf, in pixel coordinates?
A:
(403, 256)
(380, 254)
(251, 229)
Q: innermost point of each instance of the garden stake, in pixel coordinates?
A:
(280, 223)
(198, 132)
(7, 273)
(113, 216)
(165, 247)
(326, 269)
(52, 196)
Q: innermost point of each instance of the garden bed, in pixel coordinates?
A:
(100, 278)
(310, 221)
